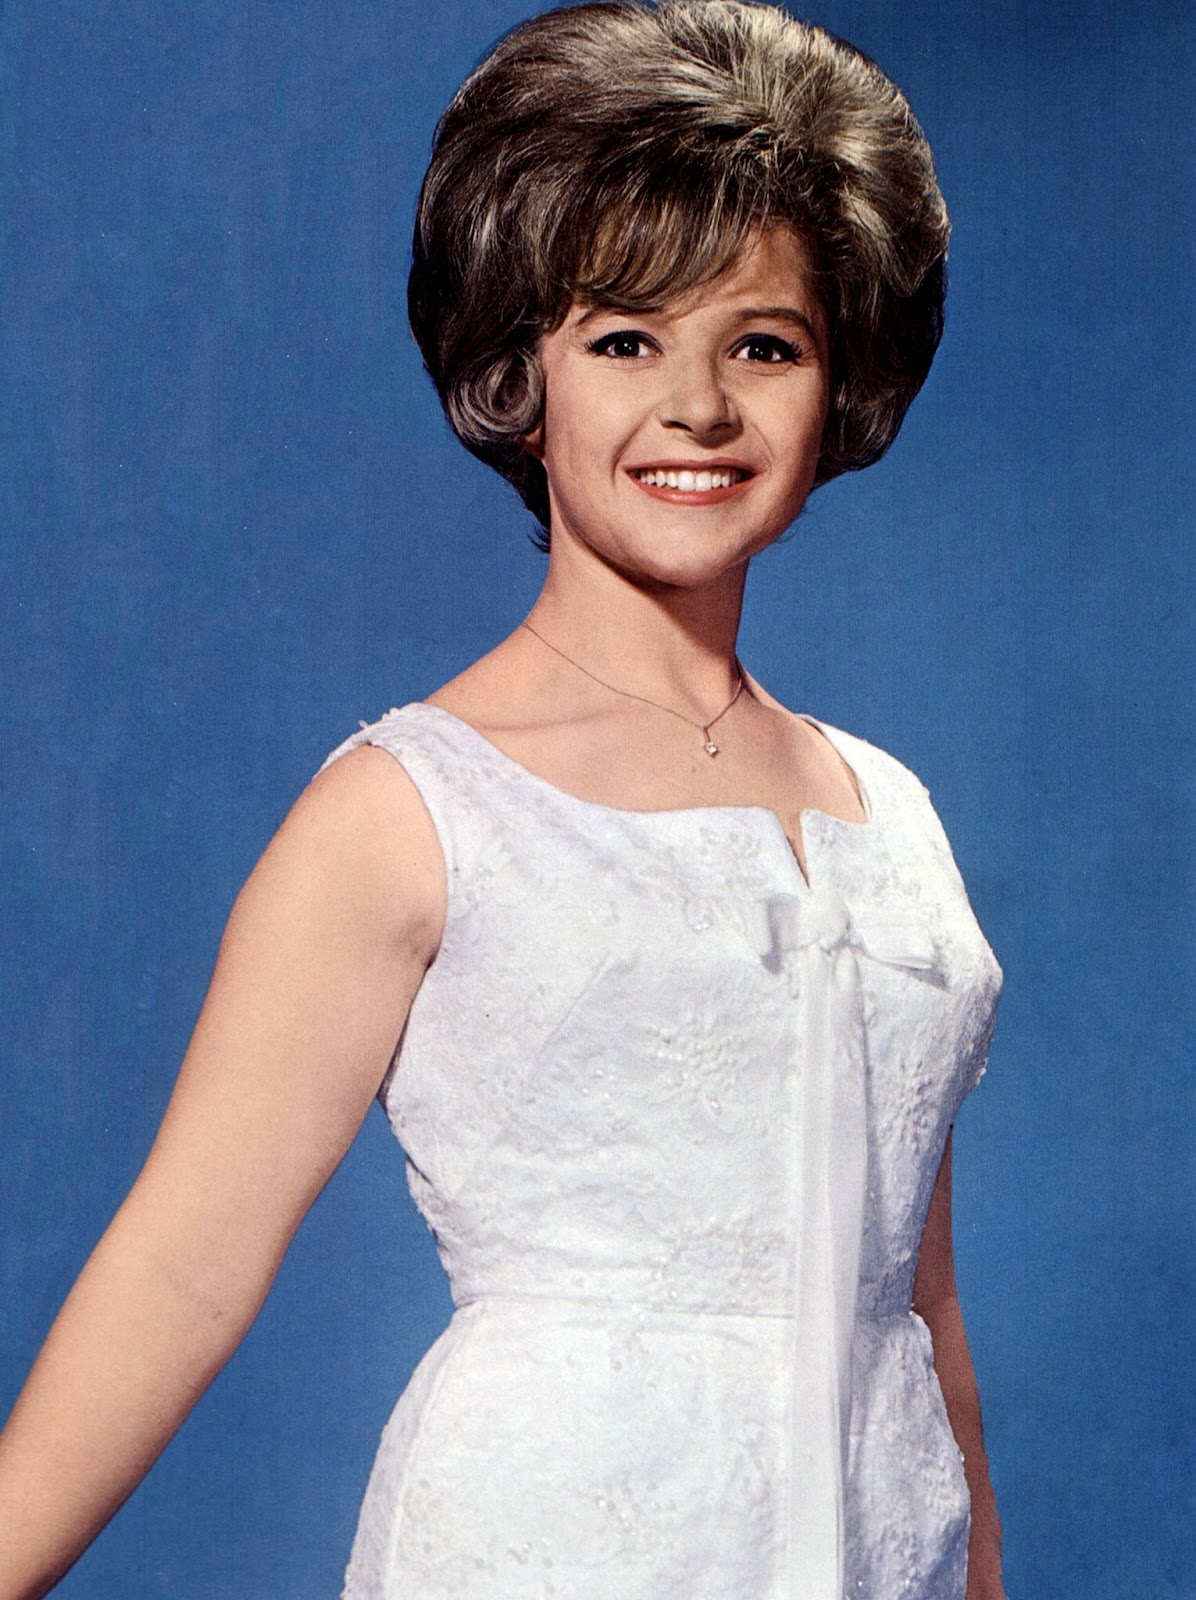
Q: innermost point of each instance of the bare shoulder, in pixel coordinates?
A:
(501, 692)
(360, 843)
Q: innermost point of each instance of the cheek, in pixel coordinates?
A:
(809, 422)
(584, 428)
(560, 417)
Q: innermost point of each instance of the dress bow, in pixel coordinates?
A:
(782, 923)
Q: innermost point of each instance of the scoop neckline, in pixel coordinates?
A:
(501, 756)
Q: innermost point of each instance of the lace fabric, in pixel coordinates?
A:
(674, 1116)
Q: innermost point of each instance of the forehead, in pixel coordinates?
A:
(773, 268)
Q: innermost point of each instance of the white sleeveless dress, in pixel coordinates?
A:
(674, 1115)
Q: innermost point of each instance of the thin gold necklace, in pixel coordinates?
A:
(703, 728)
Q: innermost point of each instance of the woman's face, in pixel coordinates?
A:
(679, 442)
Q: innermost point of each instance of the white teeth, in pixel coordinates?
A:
(688, 482)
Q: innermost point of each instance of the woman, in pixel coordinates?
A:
(687, 987)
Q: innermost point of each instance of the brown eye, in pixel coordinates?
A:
(626, 345)
(766, 347)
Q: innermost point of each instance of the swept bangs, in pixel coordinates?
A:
(662, 235)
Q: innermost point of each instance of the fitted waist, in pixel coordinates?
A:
(675, 1301)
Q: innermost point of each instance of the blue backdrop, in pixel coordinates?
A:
(234, 523)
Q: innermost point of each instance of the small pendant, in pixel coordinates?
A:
(710, 747)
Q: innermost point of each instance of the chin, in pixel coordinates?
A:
(669, 551)
(684, 569)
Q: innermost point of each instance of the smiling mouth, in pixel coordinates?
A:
(698, 481)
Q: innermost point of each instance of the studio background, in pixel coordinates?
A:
(234, 524)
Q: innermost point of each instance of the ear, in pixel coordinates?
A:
(533, 442)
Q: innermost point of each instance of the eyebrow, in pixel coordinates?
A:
(614, 308)
(780, 314)
(608, 308)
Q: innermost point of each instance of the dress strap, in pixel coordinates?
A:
(426, 749)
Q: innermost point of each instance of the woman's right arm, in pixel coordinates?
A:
(324, 951)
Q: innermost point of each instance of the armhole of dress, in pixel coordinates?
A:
(422, 770)
(420, 767)
(977, 1059)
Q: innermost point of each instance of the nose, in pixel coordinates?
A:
(697, 402)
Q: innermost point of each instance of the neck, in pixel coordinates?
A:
(663, 640)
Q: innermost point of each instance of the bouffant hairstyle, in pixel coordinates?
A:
(624, 152)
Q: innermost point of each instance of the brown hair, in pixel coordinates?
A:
(624, 151)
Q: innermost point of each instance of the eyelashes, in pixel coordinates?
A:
(774, 348)
(626, 345)
(765, 349)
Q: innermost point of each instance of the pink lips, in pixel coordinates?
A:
(692, 497)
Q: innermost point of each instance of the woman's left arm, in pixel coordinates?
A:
(937, 1302)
